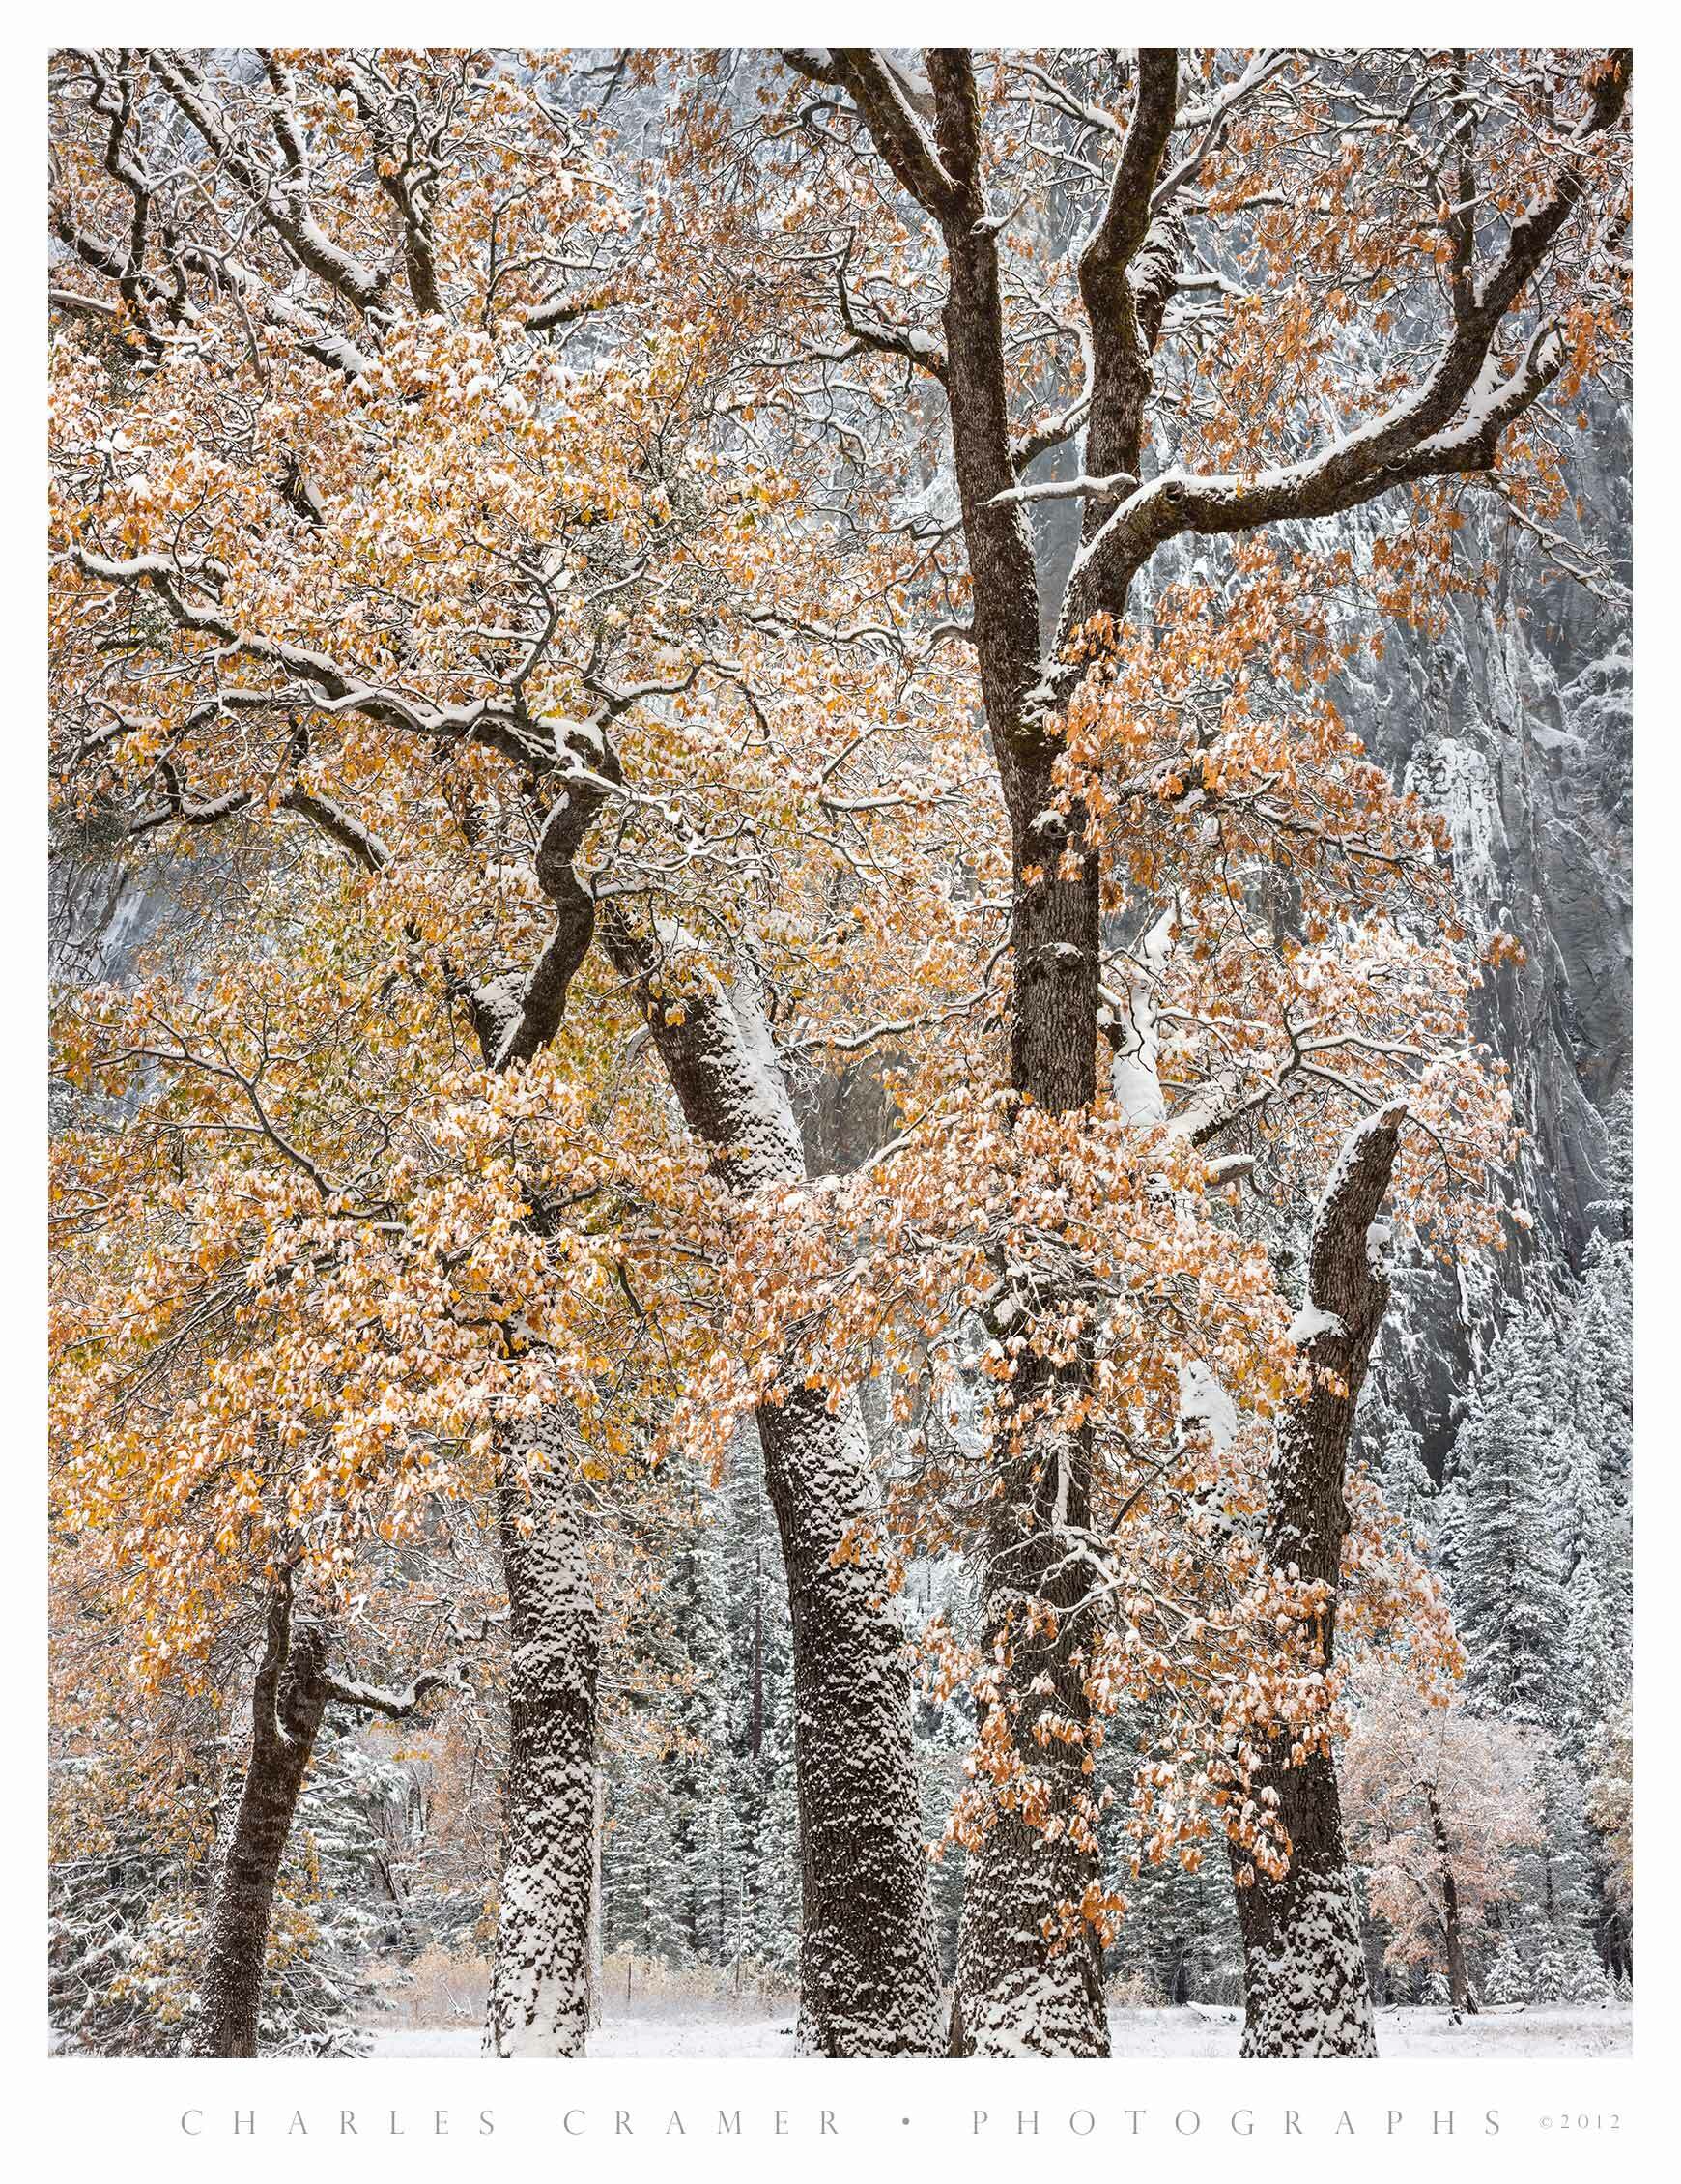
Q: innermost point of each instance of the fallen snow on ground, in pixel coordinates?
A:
(712, 2034)
(1493, 2035)
(1432, 2033)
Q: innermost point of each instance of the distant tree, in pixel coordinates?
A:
(1499, 1538)
(1437, 1802)
(1611, 1808)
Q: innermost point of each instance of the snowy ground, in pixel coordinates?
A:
(1488, 2036)
(705, 2033)
(1494, 2034)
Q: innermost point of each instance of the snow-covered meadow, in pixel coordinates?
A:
(1168, 2034)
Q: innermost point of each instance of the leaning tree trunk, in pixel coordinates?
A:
(1305, 1988)
(542, 1989)
(289, 1698)
(870, 1981)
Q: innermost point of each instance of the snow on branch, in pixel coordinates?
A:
(400, 1705)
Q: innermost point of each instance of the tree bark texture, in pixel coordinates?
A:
(287, 1701)
(544, 1994)
(1305, 1988)
(1024, 1985)
(541, 1988)
(870, 1979)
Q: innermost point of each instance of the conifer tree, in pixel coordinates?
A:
(1507, 1579)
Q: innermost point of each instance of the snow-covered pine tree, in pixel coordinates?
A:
(696, 1761)
(1506, 1980)
(1537, 1540)
(1614, 1211)
(1610, 1814)
(1553, 1926)
(1597, 1357)
(1593, 1662)
(1506, 1574)
(330, 1908)
(942, 1585)
(1389, 1445)
(124, 1908)
(762, 1891)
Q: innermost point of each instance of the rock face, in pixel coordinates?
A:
(102, 907)
(1521, 736)
(1517, 725)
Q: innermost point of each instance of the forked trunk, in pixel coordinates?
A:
(289, 1698)
(1305, 1988)
(541, 1988)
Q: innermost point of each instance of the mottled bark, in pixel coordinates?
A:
(544, 1994)
(287, 1701)
(1019, 1987)
(541, 1989)
(1304, 1971)
(1024, 1985)
(869, 1974)
(293, 1689)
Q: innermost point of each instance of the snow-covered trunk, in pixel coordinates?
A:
(1305, 1988)
(870, 1979)
(540, 1995)
(289, 1698)
(597, 1974)
(544, 1993)
(1029, 1974)
(1030, 1981)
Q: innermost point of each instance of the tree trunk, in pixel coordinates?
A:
(540, 1996)
(287, 1704)
(1458, 1991)
(597, 1829)
(868, 1972)
(1021, 1988)
(544, 1987)
(869, 1977)
(1024, 1984)
(1305, 1988)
